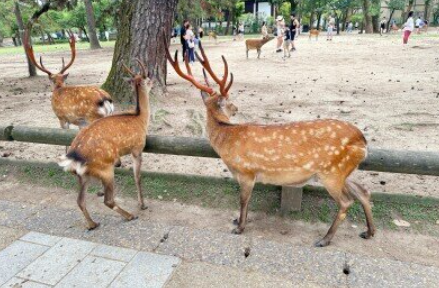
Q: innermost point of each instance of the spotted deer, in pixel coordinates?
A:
(256, 44)
(98, 146)
(282, 154)
(77, 105)
(314, 32)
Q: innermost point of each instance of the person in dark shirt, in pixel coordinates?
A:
(182, 37)
(294, 27)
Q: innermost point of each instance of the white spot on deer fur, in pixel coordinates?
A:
(308, 165)
(326, 148)
(237, 159)
(281, 137)
(333, 169)
(339, 127)
(344, 141)
(316, 155)
(303, 132)
(333, 135)
(311, 132)
(329, 129)
(336, 152)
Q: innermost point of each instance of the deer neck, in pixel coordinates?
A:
(142, 107)
(217, 124)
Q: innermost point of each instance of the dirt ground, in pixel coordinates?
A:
(390, 92)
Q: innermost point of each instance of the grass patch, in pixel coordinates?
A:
(317, 206)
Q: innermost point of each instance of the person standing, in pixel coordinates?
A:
(279, 33)
(383, 26)
(330, 28)
(183, 37)
(264, 30)
(409, 26)
(240, 31)
(190, 36)
(418, 24)
(294, 28)
(287, 42)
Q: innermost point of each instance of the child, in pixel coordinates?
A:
(287, 42)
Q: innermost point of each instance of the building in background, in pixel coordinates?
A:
(418, 8)
(263, 9)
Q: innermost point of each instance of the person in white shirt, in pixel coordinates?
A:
(409, 26)
(418, 24)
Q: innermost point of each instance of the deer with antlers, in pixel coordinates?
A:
(77, 105)
(285, 154)
(97, 147)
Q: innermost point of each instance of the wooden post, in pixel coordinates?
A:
(291, 199)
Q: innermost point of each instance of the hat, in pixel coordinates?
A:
(279, 18)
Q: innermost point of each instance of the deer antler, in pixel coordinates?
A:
(206, 65)
(30, 52)
(189, 77)
(72, 42)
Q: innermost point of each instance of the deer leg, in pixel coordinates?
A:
(246, 184)
(137, 162)
(108, 183)
(344, 201)
(83, 182)
(247, 53)
(259, 53)
(64, 125)
(360, 193)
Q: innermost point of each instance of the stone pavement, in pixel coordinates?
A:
(41, 260)
(204, 258)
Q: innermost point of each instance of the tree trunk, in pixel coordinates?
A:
(319, 18)
(390, 20)
(85, 33)
(143, 27)
(311, 19)
(427, 10)
(91, 25)
(367, 16)
(17, 11)
(409, 8)
(229, 16)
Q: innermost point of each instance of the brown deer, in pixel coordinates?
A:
(212, 35)
(285, 154)
(97, 147)
(77, 105)
(315, 33)
(256, 44)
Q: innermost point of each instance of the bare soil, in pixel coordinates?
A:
(389, 91)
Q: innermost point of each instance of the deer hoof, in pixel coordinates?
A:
(322, 243)
(133, 217)
(235, 222)
(143, 207)
(237, 231)
(100, 194)
(366, 235)
(93, 226)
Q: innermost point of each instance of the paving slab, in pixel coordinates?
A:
(23, 283)
(381, 272)
(92, 272)
(17, 256)
(41, 239)
(114, 253)
(299, 264)
(51, 267)
(146, 270)
(204, 245)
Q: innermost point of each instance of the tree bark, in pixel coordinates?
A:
(91, 25)
(17, 11)
(367, 17)
(427, 10)
(143, 27)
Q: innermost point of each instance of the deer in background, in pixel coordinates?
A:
(97, 147)
(314, 32)
(77, 105)
(256, 44)
(283, 154)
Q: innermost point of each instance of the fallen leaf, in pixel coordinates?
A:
(401, 223)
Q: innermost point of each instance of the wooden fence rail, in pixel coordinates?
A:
(382, 160)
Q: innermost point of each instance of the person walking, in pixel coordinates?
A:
(418, 24)
(287, 42)
(279, 33)
(383, 26)
(240, 31)
(183, 37)
(264, 30)
(294, 28)
(190, 36)
(330, 28)
(409, 26)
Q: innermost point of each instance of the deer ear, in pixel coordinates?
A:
(64, 77)
(128, 79)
